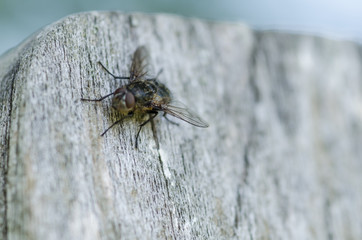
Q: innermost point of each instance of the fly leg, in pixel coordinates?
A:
(158, 74)
(98, 99)
(114, 76)
(144, 123)
(116, 122)
(170, 121)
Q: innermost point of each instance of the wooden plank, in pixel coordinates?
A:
(280, 160)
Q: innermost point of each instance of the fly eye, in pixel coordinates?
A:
(130, 101)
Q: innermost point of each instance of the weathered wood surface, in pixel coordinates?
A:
(281, 159)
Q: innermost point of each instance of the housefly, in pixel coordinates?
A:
(144, 95)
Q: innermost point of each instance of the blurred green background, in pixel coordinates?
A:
(343, 19)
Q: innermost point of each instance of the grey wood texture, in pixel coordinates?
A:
(281, 159)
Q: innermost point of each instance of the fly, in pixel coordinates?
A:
(144, 95)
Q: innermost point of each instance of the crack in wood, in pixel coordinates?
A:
(5, 155)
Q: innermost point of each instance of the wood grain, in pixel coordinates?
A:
(280, 160)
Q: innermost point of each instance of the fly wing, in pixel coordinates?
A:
(139, 64)
(185, 114)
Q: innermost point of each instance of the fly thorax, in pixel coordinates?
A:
(123, 101)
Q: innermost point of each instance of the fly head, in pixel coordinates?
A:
(123, 101)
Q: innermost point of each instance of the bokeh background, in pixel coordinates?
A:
(336, 19)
